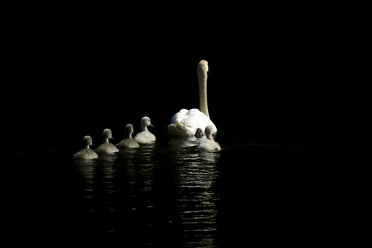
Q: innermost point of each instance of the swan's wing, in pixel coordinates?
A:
(192, 119)
(179, 116)
(178, 130)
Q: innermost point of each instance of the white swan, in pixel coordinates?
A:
(106, 147)
(145, 136)
(86, 153)
(209, 144)
(186, 122)
(128, 142)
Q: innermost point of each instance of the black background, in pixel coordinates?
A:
(279, 74)
(283, 77)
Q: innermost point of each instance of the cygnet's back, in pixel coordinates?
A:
(128, 142)
(145, 137)
(86, 153)
(106, 147)
(209, 144)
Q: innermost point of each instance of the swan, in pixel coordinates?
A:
(86, 153)
(106, 147)
(145, 136)
(128, 142)
(186, 122)
(209, 144)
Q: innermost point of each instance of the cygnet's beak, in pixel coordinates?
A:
(152, 125)
(208, 72)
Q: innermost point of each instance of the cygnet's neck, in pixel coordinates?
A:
(106, 140)
(144, 127)
(129, 134)
(210, 137)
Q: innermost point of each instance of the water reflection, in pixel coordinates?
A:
(98, 187)
(86, 169)
(175, 143)
(196, 174)
(139, 167)
(154, 190)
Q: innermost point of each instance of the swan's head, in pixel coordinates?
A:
(129, 130)
(87, 140)
(203, 69)
(208, 132)
(145, 121)
(107, 134)
(199, 133)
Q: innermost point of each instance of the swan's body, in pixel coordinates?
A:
(209, 144)
(86, 153)
(128, 142)
(186, 122)
(145, 137)
(106, 147)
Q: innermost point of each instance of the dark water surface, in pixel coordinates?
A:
(168, 194)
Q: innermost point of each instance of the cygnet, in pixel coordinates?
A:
(145, 137)
(86, 153)
(106, 147)
(128, 142)
(209, 144)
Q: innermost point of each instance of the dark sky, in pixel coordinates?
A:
(281, 77)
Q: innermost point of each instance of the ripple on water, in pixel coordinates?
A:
(124, 188)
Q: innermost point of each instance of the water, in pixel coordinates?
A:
(169, 194)
(157, 194)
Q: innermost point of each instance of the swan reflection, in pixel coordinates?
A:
(177, 143)
(196, 174)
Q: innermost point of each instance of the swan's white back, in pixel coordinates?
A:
(186, 122)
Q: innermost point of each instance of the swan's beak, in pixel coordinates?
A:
(208, 72)
(152, 125)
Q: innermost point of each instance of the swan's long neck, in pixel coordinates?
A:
(203, 103)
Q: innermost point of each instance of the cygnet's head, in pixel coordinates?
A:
(145, 121)
(208, 132)
(199, 133)
(107, 134)
(129, 130)
(202, 69)
(87, 141)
